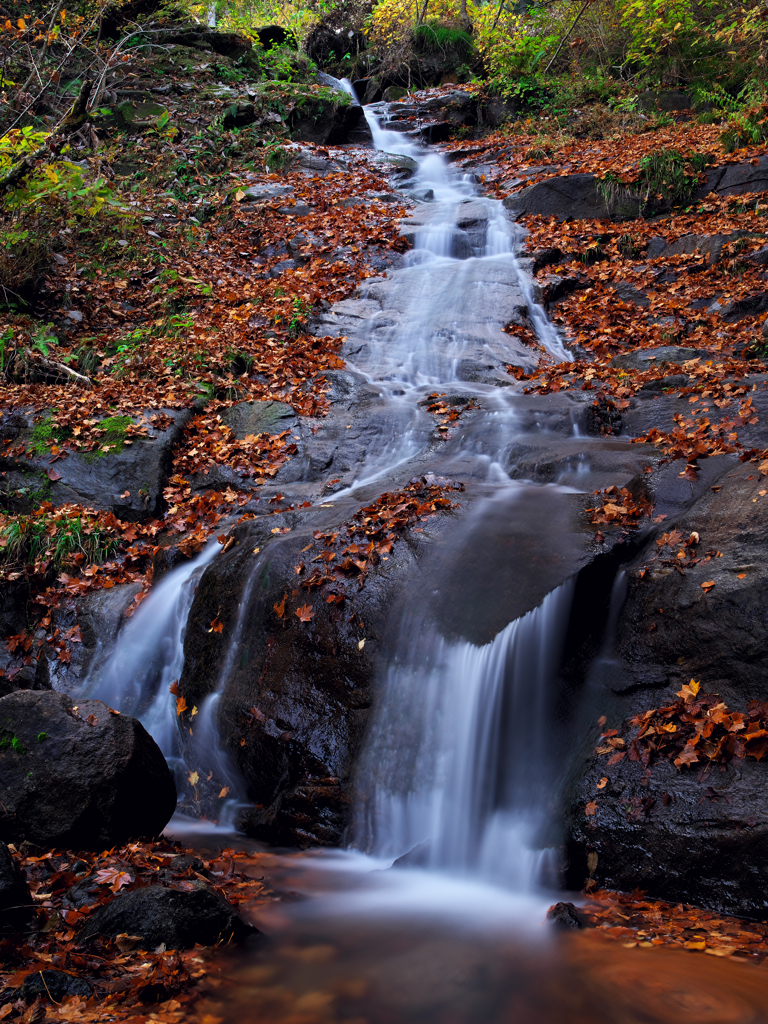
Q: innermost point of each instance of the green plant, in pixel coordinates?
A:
(749, 129)
(434, 37)
(56, 538)
(42, 339)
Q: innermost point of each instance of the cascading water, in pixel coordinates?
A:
(458, 766)
(456, 759)
(149, 657)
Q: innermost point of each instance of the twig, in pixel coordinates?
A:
(51, 364)
(44, 50)
(562, 41)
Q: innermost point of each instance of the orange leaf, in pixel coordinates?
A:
(216, 626)
(305, 613)
(181, 705)
(708, 585)
(591, 808)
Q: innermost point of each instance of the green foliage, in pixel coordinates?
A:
(748, 129)
(112, 442)
(433, 37)
(54, 538)
(42, 339)
(12, 742)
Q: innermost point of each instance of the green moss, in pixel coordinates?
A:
(45, 435)
(114, 438)
(12, 742)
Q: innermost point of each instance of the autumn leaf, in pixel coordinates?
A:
(602, 783)
(591, 808)
(224, 791)
(708, 585)
(181, 705)
(279, 607)
(53, 475)
(193, 778)
(305, 613)
(216, 626)
(689, 691)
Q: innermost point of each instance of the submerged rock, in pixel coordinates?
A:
(178, 919)
(78, 775)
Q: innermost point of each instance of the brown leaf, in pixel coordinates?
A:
(305, 613)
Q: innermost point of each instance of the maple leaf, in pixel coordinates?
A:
(216, 626)
(591, 808)
(193, 778)
(279, 607)
(689, 691)
(181, 705)
(113, 877)
(305, 612)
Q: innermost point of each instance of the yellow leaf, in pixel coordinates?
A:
(193, 778)
(21, 24)
(223, 792)
(689, 691)
(239, 195)
(193, 712)
(361, 644)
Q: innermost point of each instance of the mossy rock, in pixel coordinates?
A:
(139, 117)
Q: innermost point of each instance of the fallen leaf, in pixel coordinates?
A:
(224, 792)
(193, 778)
(602, 783)
(591, 808)
(305, 613)
(216, 626)
(708, 585)
(181, 705)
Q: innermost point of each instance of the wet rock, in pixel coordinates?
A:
(239, 115)
(186, 864)
(626, 292)
(78, 775)
(100, 615)
(128, 482)
(693, 834)
(573, 196)
(89, 890)
(566, 916)
(16, 907)
(735, 179)
(644, 359)
(258, 418)
(159, 914)
(54, 985)
(393, 93)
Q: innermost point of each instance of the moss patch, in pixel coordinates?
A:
(113, 441)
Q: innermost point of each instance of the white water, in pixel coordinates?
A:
(457, 764)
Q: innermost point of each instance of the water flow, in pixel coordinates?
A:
(459, 768)
(149, 657)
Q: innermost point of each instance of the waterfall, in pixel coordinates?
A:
(149, 656)
(460, 763)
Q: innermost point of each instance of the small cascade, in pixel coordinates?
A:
(460, 764)
(149, 657)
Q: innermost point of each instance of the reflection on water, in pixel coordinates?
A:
(377, 946)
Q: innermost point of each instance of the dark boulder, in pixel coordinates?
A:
(129, 480)
(225, 44)
(574, 196)
(272, 36)
(78, 775)
(697, 833)
(90, 889)
(327, 45)
(15, 901)
(326, 122)
(736, 179)
(54, 985)
(163, 915)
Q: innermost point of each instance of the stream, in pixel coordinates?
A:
(434, 911)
